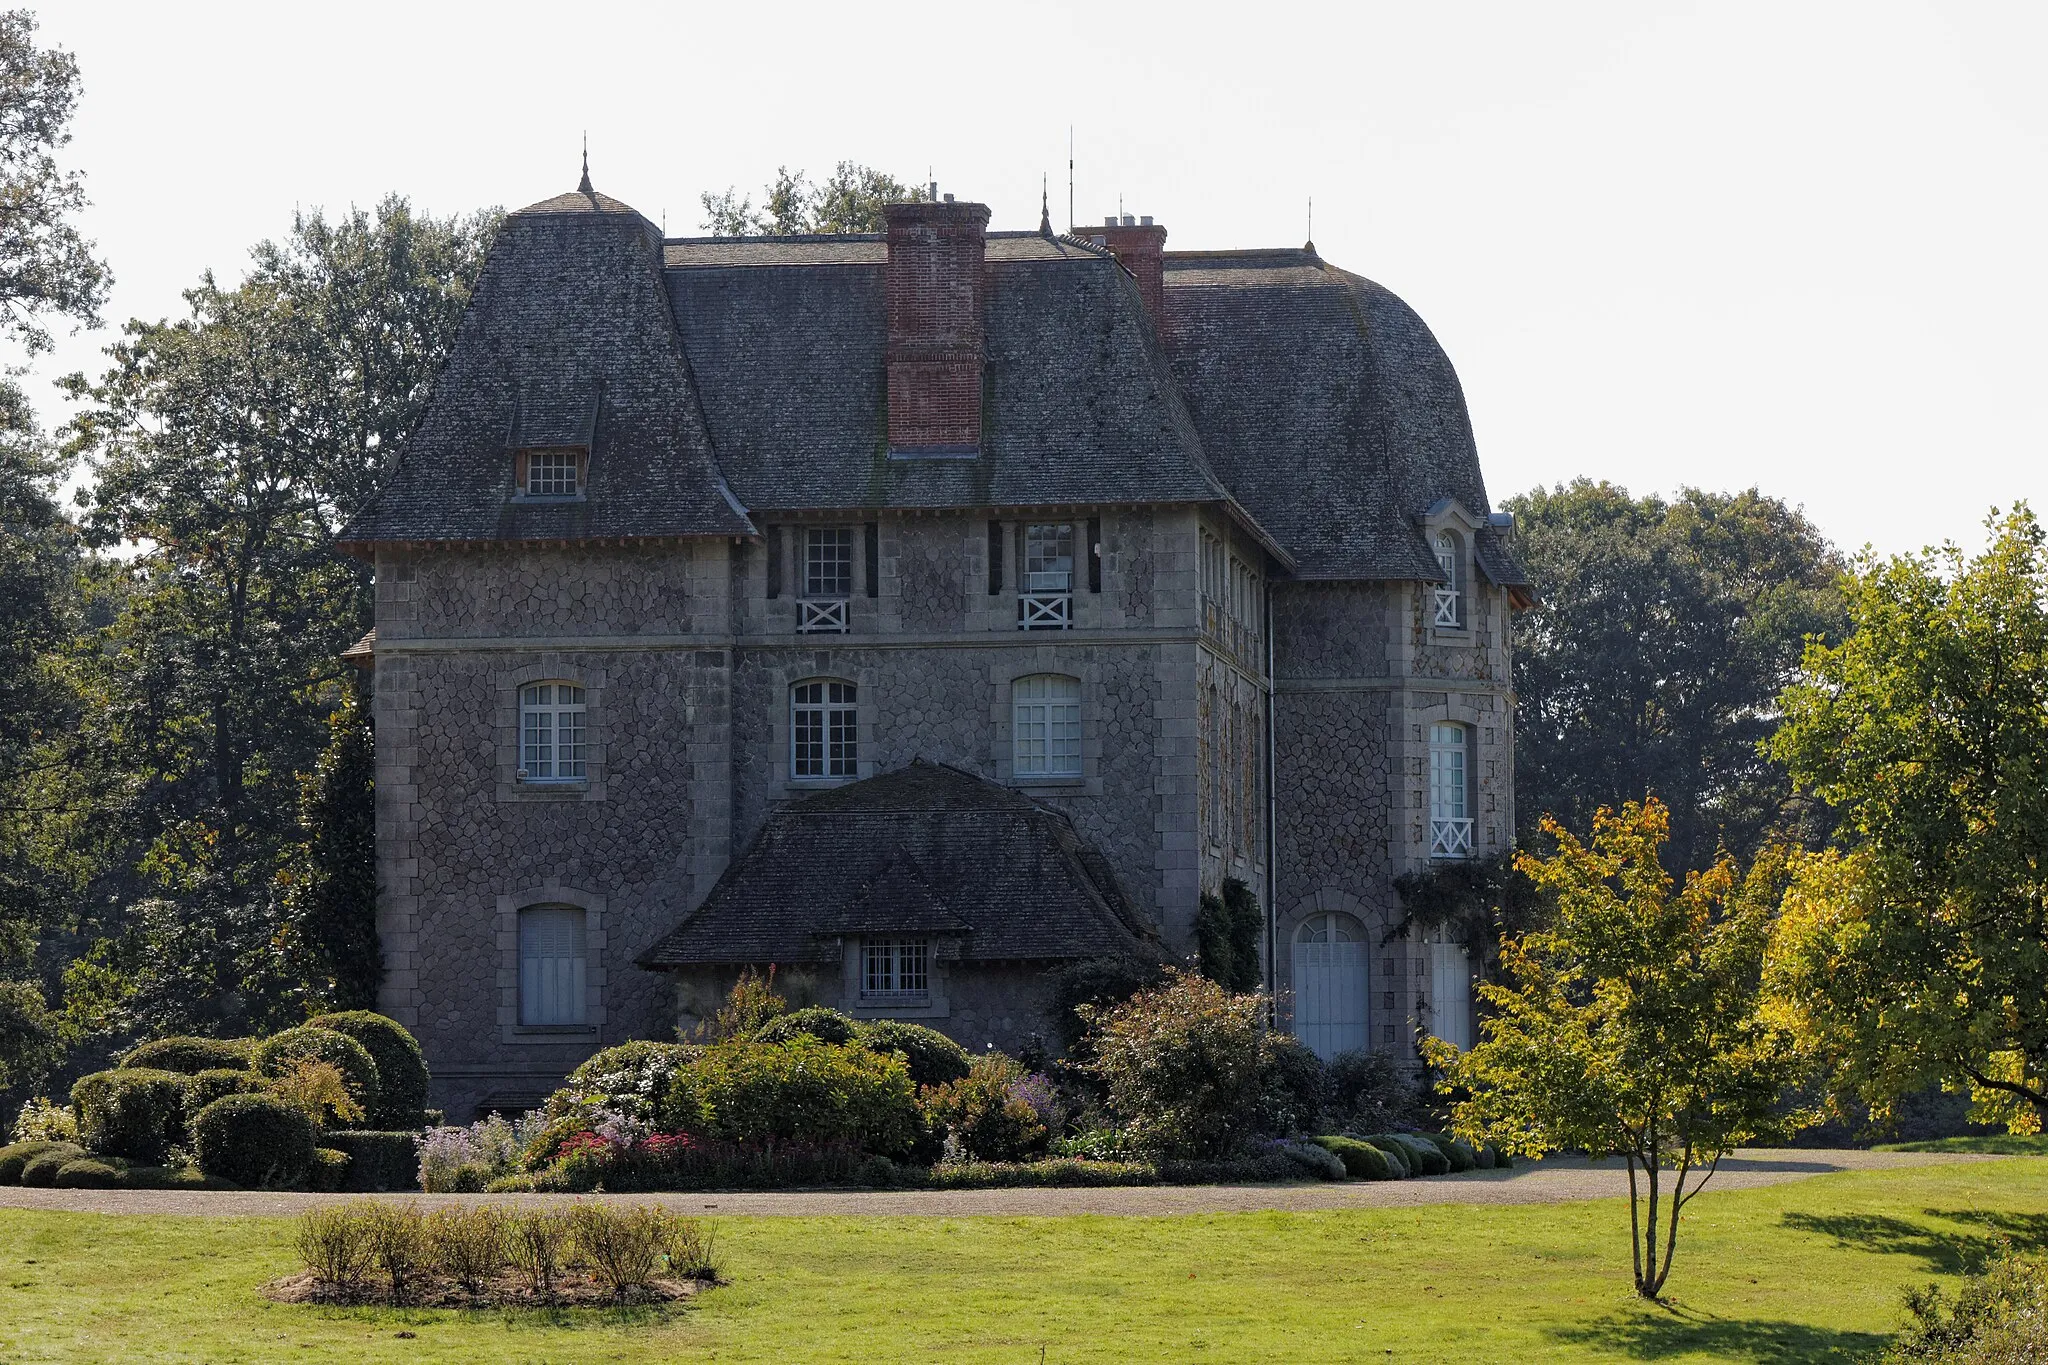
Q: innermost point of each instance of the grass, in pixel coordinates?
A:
(1809, 1270)
(1996, 1144)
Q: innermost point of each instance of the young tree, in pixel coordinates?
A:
(851, 201)
(332, 902)
(1653, 662)
(1920, 956)
(1632, 1026)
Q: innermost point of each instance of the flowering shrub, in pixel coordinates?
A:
(991, 1113)
(464, 1160)
(632, 1079)
(1183, 1065)
(42, 1121)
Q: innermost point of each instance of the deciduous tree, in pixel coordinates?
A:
(1632, 1025)
(850, 201)
(1919, 955)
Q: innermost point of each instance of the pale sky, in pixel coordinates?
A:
(1795, 245)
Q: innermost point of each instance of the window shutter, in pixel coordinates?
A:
(1095, 554)
(874, 536)
(995, 558)
(552, 966)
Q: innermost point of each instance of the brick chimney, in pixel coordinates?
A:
(1139, 245)
(937, 283)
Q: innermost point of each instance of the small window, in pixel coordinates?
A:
(895, 968)
(1450, 594)
(1450, 814)
(823, 730)
(554, 473)
(552, 966)
(551, 733)
(1049, 557)
(1045, 736)
(828, 561)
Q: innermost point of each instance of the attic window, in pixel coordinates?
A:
(552, 473)
(895, 971)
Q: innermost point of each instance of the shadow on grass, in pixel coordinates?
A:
(1656, 1335)
(1939, 1249)
(569, 1319)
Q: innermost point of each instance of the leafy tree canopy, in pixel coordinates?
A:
(1664, 635)
(1633, 1024)
(46, 267)
(849, 201)
(1919, 956)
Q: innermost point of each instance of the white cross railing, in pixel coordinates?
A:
(1450, 838)
(1045, 610)
(1447, 607)
(823, 617)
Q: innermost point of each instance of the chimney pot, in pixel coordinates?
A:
(1145, 221)
(1109, 220)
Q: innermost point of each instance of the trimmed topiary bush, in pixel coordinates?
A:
(1362, 1160)
(1399, 1163)
(826, 1025)
(134, 1112)
(1456, 1153)
(16, 1155)
(275, 1055)
(401, 1066)
(91, 1173)
(329, 1171)
(203, 1088)
(1424, 1158)
(802, 1091)
(254, 1140)
(377, 1161)
(930, 1056)
(190, 1055)
(40, 1170)
(1483, 1157)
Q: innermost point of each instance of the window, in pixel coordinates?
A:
(1046, 597)
(895, 970)
(828, 561)
(1450, 596)
(552, 968)
(823, 739)
(551, 733)
(1045, 739)
(1450, 816)
(553, 473)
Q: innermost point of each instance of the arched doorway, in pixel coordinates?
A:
(1329, 984)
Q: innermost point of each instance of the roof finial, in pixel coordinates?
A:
(1310, 245)
(1045, 206)
(583, 186)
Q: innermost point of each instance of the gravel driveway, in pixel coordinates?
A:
(1547, 1182)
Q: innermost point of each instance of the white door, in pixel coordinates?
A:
(1450, 990)
(1329, 985)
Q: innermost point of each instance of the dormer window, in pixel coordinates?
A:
(552, 473)
(1450, 594)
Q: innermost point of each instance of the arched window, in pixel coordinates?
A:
(1450, 594)
(1329, 984)
(823, 729)
(551, 732)
(553, 966)
(1450, 801)
(1045, 738)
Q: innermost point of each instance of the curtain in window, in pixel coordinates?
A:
(551, 965)
(1046, 734)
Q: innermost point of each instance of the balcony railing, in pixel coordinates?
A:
(826, 616)
(1045, 610)
(1447, 608)
(1450, 838)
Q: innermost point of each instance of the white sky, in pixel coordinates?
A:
(1796, 245)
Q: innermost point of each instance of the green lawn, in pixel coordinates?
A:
(1997, 1144)
(1804, 1271)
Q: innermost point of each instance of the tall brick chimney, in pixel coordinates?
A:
(1139, 245)
(937, 283)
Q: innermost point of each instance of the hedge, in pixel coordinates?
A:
(932, 1057)
(801, 1091)
(1362, 1160)
(401, 1066)
(329, 1171)
(1399, 1162)
(40, 1171)
(134, 1112)
(90, 1173)
(1425, 1159)
(254, 1140)
(1459, 1156)
(16, 1155)
(358, 1068)
(816, 1021)
(205, 1087)
(377, 1161)
(190, 1055)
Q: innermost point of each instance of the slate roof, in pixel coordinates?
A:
(1328, 408)
(1080, 406)
(927, 849)
(568, 341)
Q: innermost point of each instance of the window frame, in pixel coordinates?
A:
(533, 459)
(1034, 693)
(558, 712)
(839, 541)
(830, 720)
(905, 971)
(1449, 548)
(1451, 824)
